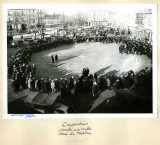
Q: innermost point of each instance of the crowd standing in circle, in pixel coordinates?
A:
(136, 47)
(22, 73)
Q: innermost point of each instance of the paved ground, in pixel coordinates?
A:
(102, 97)
(99, 58)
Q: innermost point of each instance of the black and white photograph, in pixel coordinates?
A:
(80, 59)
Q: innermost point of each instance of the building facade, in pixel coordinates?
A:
(101, 18)
(21, 19)
(144, 25)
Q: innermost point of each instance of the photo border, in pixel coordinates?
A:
(88, 115)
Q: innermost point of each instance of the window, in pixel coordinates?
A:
(9, 13)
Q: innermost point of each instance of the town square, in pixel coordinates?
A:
(96, 61)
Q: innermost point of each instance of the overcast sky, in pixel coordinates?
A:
(72, 9)
(125, 14)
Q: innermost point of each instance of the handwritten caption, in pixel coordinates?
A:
(72, 129)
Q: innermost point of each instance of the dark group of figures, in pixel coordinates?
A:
(42, 44)
(20, 69)
(92, 83)
(99, 38)
(54, 59)
(130, 46)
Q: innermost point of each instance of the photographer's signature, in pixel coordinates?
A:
(24, 115)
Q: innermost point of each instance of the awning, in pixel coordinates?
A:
(42, 99)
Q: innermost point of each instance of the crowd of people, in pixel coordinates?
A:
(130, 46)
(19, 69)
(22, 72)
(23, 76)
(97, 38)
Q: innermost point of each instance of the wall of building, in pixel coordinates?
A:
(100, 18)
(144, 29)
(18, 17)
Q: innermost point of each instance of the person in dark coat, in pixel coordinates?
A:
(48, 87)
(76, 87)
(57, 86)
(13, 76)
(42, 84)
(52, 57)
(17, 85)
(45, 86)
(62, 87)
(83, 72)
(65, 83)
(95, 76)
(87, 71)
(56, 58)
(33, 85)
(23, 80)
(39, 85)
(9, 71)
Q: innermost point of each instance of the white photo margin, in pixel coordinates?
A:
(104, 115)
